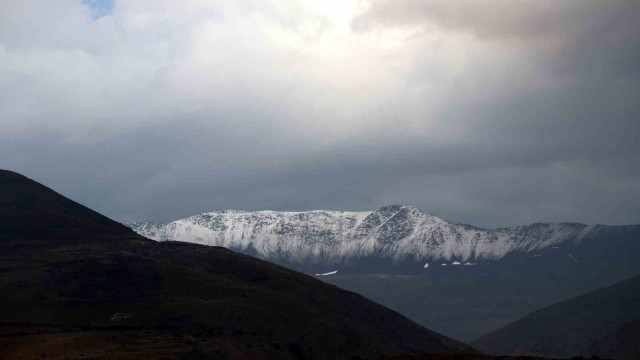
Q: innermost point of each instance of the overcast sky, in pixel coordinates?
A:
(492, 113)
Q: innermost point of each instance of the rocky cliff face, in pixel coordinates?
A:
(396, 233)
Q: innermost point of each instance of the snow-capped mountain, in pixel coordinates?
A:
(395, 233)
(413, 262)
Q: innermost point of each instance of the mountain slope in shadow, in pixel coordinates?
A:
(31, 211)
(75, 282)
(604, 323)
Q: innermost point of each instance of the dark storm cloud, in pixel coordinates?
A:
(491, 113)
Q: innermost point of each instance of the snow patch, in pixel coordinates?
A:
(329, 273)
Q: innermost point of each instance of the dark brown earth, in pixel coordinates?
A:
(74, 284)
(424, 356)
(135, 344)
(149, 345)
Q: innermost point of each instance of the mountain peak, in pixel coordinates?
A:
(8, 174)
(394, 207)
(399, 207)
(31, 211)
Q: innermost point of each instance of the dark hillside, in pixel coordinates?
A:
(145, 293)
(603, 323)
(31, 211)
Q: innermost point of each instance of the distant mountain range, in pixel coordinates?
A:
(393, 234)
(414, 262)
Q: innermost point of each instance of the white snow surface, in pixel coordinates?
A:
(329, 273)
(395, 232)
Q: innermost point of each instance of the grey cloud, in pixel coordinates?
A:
(157, 121)
(576, 35)
(504, 18)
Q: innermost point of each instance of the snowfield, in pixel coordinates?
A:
(394, 232)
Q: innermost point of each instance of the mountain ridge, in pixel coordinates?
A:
(395, 232)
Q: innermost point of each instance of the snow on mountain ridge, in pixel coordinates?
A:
(396, 232)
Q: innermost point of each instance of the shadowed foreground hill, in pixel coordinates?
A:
(76, 284)
(603, 323)
(31, 211)
(425, 356)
